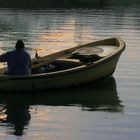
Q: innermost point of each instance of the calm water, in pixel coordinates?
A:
(107, 110)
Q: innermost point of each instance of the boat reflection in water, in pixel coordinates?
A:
(99, 96)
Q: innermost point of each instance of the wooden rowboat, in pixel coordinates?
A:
(70, 67)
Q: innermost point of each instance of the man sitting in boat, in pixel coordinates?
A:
(18, 60)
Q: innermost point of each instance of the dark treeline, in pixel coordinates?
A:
(64, 3)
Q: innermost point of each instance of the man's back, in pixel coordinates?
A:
(18, 61)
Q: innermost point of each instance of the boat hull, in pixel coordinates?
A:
(65, 78)
(76, 77)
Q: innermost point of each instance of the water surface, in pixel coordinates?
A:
(107, 110)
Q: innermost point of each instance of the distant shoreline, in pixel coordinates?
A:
(64, 3)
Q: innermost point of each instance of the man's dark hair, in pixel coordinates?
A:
(20, 44)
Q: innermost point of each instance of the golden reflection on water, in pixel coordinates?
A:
(41, 115)
(3, 117)
(71, 32)
(51, 36)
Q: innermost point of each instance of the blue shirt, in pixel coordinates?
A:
(18, 61)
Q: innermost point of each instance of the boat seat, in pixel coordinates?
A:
(70, 60)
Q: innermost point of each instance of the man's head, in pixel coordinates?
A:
(20, 44)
